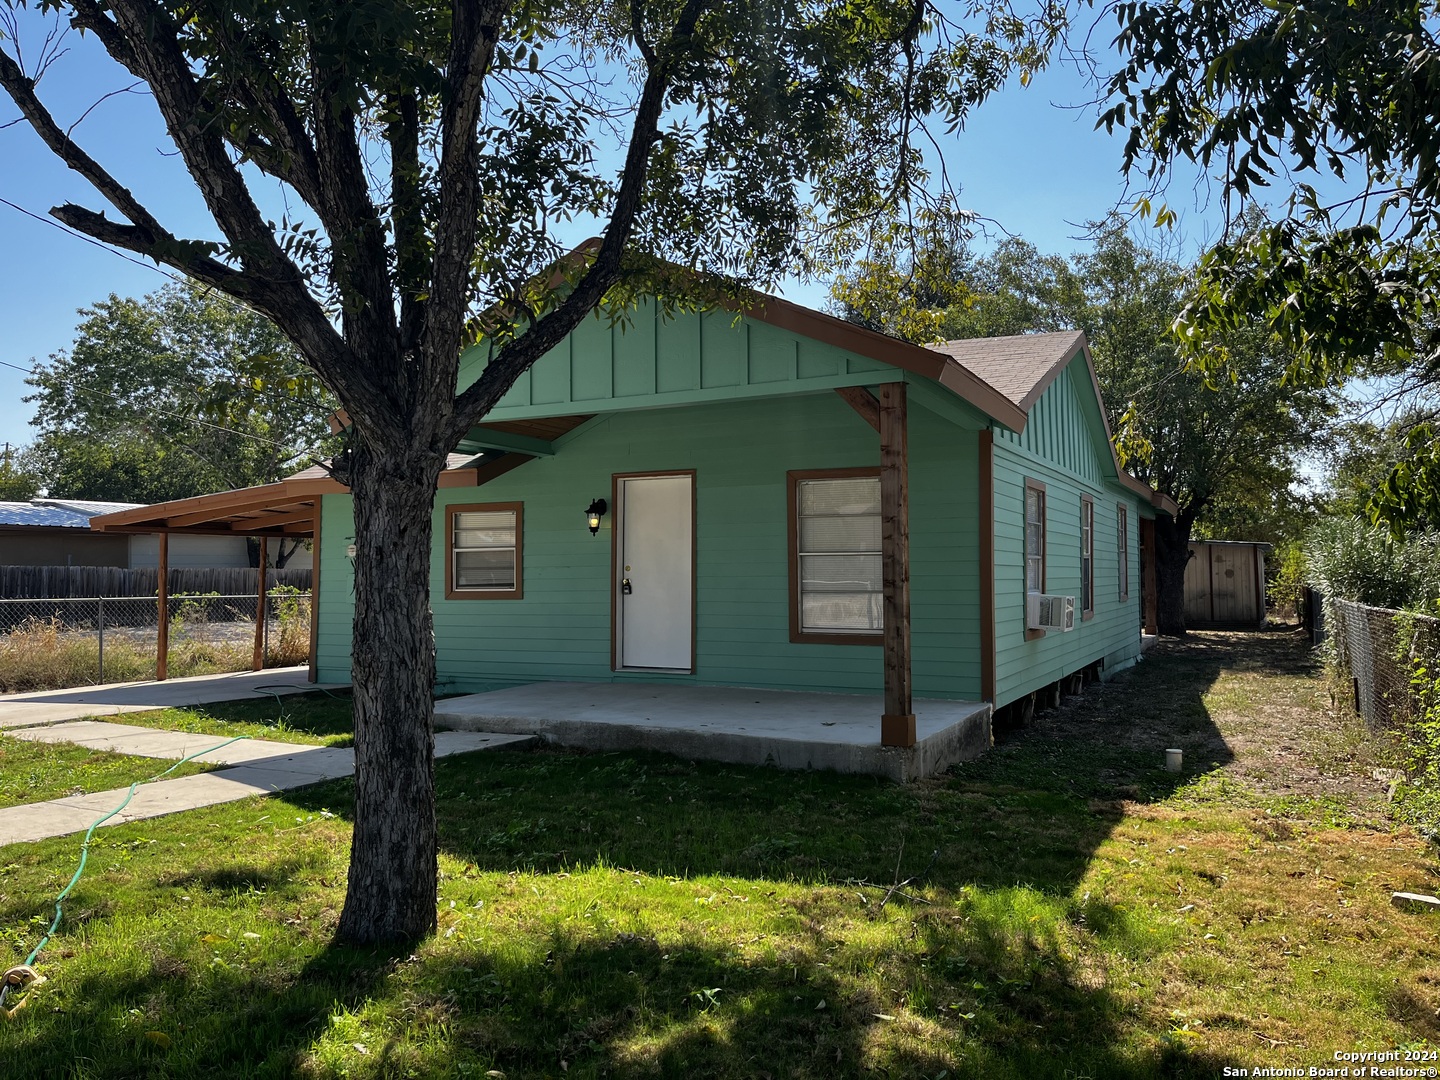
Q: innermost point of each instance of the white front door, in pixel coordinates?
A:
(655, 573)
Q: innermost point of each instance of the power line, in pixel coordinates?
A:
(175, 416)
(156, 267)
(177, 279)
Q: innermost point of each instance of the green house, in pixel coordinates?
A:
(773, 500)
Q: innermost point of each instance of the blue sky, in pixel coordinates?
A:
(1029, 159)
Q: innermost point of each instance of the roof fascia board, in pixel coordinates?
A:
(483, 438)
(947, 406)
(279, 493)
(915, 359)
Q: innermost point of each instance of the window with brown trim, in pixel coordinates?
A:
(1122, 547)
(1034, 545)
(836, 591)
(483, 543)
(1087, 556)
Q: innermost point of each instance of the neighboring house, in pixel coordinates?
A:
(49, 532)
(734, 465)
(57, 532)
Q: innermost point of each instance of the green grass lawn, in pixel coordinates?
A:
(34, 772)
(316, 718)
(1074, 911)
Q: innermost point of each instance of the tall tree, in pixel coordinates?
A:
(19, 481)
(435, 149)
(1303, 97)
(1221, 448)
(180, 393)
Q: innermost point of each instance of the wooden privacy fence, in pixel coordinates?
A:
(62, 582)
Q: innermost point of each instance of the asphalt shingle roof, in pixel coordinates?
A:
(1017, 366)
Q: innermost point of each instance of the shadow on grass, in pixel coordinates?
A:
(1032, 812)
(982, 1000)
(976, 983)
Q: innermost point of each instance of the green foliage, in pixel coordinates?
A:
(176, 394)
(1290, 575)
(1410, 495)
(1352, 559)
(1228, 449)
(1260, 93)
(18, 480)
(1417, 797)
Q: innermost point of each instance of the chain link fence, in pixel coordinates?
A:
(1378, 650)
(58, 643)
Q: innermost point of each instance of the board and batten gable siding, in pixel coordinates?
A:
(741, 452)
(652, 360)
(1061, 449)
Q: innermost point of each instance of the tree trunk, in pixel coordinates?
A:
(393, 873)
(1172, 553)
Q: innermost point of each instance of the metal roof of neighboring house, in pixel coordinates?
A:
(89, 507)
(56, 513)
(1020, 366)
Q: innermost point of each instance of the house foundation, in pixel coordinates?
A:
(786, 729)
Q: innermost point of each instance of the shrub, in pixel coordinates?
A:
(290, 644)
(1290, 576)
(1350, 559)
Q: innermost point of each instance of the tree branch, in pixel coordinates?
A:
(22, 91)
(360, 265)
(407, 220)
(475, 29)
(604, 271)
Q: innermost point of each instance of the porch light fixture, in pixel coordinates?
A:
(593, 513)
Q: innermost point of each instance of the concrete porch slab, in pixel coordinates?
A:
(787, 729)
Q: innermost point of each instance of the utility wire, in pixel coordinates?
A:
(177, 278)
(177, 416)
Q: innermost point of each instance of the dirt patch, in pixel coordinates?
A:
(1251, 709)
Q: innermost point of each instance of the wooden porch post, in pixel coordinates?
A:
(314, 674)
(162, 631)
(1149, 583)
(897, 725)
(257, 662)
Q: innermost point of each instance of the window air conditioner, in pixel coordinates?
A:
(1044, 611)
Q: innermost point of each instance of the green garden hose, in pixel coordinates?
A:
(90, 834)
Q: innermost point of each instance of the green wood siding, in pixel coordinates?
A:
(741, 452)
(650, 360)
(1059, 448)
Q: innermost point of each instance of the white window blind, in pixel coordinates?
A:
(1087, 555)
(1034, 540)
(1123, 528)
(484, 550)
(839, 558)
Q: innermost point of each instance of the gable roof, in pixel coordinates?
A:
(1021, 366)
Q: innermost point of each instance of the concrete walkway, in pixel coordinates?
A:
(258, 767)
(53, 706)
(250, 766)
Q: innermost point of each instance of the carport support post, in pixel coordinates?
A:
(897, 725)
(162, 596)
(257, 663)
